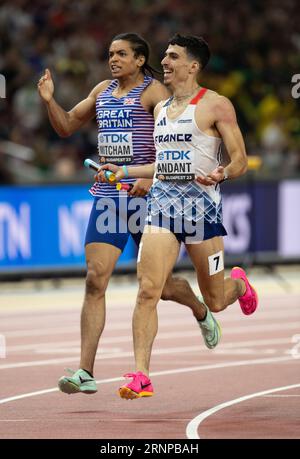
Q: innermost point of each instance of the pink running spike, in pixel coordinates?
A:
(249, 301)
(140, 386)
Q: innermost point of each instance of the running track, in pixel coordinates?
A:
(249, 387)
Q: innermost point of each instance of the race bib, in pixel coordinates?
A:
(115, 147)
(175, 165)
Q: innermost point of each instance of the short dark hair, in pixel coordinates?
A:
(140, 48)
(196, 47)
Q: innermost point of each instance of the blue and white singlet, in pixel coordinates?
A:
(125, 133)
(183, 152)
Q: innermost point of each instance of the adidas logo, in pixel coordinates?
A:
(162, 122)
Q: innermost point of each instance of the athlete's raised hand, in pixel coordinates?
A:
(216, 176)
(46, 86)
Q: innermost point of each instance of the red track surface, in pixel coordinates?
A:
(255, 355)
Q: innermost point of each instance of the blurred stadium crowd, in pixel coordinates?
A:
(255, 51)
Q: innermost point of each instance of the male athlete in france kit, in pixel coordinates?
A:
(184, 204)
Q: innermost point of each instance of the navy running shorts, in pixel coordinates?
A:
(114, 219)
(188, 232)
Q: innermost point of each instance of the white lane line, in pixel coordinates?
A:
(42, 331)
(193, 425)
(282, 396)
(54, 330)
(233, 313)
(114, 355)
(248, 327)
(163, 373)
(16, 420)
(72, 358)
(37, 363)
(30, 394)
(40, 347)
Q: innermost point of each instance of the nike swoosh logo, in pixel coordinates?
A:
(82, 380)
(103, 102)
(144, 385)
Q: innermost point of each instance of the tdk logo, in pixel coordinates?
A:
(113, 138)
(174, 155)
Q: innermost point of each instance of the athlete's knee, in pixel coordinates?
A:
(149, 289)
(216, 307)
(215, 303)
(96, 279)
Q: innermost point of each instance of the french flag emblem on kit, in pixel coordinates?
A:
(129, 101)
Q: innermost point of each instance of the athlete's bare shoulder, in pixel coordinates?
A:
(211, 96)
(216, 100)
(156, 85)
(155, 93)
(100, 87)
(220, 105)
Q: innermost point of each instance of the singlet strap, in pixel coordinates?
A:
(198, 96)
(139, 89)
(133, 92)
(168, 101)
(112, 85)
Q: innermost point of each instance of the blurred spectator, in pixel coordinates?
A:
(255, 52)
(274, 145)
